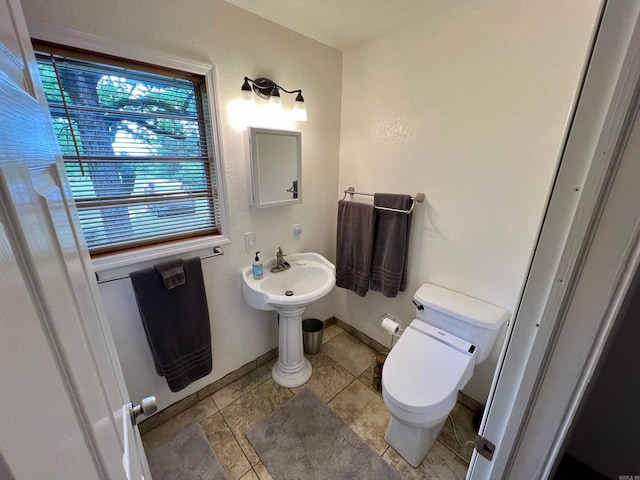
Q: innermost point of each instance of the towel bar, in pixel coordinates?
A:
(217, 251)
(419, 197)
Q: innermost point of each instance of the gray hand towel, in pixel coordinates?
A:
(356, 223)
(176, 323)
(391, 244)
(172, 273)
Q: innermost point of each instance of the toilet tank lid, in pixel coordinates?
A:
(466, 308)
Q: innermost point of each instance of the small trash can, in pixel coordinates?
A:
(312, 329)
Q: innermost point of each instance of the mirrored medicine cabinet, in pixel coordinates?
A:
(275, 167)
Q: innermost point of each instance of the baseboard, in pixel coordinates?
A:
(469, 402)
(363, 337)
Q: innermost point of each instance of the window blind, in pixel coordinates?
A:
(136, 145)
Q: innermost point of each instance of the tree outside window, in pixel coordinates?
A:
(135, 146)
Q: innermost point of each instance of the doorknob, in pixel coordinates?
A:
(148, 406)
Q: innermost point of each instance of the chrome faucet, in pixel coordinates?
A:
(281, 264)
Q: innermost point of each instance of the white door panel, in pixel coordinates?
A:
(63, 391)
(28, 369)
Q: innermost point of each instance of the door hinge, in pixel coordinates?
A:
(484, 447)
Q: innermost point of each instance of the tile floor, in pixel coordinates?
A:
(342, 374)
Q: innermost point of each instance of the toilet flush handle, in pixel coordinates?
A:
(418, 305)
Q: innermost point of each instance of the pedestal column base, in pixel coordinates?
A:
(292, 379)
(292, 368)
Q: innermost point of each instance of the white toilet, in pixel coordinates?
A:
(433, 359)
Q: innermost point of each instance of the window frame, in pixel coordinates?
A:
(91, 43)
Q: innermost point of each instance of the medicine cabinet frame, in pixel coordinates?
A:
(275, 164)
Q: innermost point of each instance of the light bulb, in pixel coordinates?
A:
(299, 112)
(275, 102)
(246, 96)
(299, 109)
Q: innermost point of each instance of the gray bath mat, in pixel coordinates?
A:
(304, 439)
(185, 456)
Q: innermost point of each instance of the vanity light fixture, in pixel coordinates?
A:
(269, 90)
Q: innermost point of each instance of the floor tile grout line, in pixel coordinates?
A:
(362, 438)
(341, 365)
(457, 454)
(244, 393)
(359, 340)
(464, 460)
(236, 439)
(386, 450)
(347, 385)
(343, 389)
(363, 384)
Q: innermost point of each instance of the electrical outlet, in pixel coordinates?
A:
(249, 241)
(297, 230)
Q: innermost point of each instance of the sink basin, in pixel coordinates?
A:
(310, 278)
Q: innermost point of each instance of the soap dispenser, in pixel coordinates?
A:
(257, 267)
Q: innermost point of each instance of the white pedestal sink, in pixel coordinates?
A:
(310, 278)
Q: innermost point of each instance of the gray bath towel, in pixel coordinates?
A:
(391, 246)
(176, 323)
(356, 223)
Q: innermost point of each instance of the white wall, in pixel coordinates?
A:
(469, 107)
(238, 44)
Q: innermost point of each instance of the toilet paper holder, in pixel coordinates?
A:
(390, 324)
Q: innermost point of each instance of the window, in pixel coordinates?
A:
(137, 148)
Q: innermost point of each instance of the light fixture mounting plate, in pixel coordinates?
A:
(263, 86)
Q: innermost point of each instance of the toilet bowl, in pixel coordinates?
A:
(420, 383)
(434, 359)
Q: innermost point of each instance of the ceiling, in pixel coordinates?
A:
(344, 24)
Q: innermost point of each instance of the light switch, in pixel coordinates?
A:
(297, 230)
(249, 241)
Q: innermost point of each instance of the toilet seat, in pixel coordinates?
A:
(425, 370)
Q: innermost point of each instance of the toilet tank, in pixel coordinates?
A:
(466, 317)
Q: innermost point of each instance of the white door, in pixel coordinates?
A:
(62, 392)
